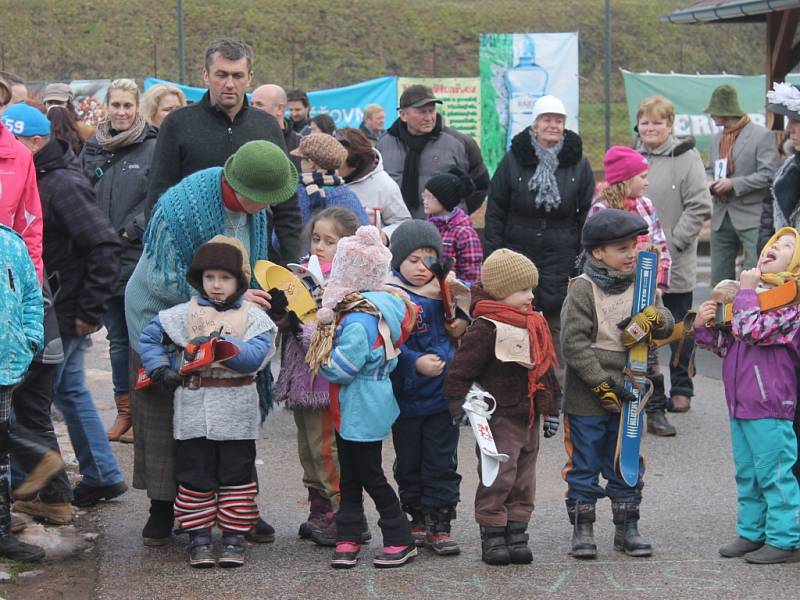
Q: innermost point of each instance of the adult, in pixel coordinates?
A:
(374, 123)
(20, 207)
(538, 200)
(742, 163)
(363, 171)
(233, 201)
(679, 190)
(206, 133)
(117, 160)
(19, 91)
(322, 123)
(418, 145)
(81, 255)
(272, 99)
(299, 109)
(65, 127)
(61, 94)
(159, 100)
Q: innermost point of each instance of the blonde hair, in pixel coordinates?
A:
(124, 85)
(372, 109)
(154, 95)
(613, 196)
(659, 106)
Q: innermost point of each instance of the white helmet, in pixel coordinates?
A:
(548, 105)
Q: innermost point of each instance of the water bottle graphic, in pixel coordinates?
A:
(526, 82)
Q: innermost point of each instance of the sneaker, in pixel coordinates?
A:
(84, 495)
(232, 554)
(201, 554)
(345, 556)
(59, 513)
(395, 556)
(48, 467)
(419, 529)
(261, 533)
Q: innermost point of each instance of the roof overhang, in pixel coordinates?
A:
(737, 11)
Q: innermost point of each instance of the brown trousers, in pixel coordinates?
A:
(510, 497)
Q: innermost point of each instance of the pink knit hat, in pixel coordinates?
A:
(361, 264)
(621, 163)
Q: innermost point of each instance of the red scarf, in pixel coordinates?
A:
(229, 198)
(543, 354)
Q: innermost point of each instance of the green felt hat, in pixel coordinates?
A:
(261, 172)
(724, 103)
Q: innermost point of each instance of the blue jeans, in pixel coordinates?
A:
(96, 461)
(118, 344)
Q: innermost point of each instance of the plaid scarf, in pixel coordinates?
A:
(315, 184)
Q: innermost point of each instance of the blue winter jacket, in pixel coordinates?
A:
(367, 404)
(340, 195)
(22, 307)
(420, 395)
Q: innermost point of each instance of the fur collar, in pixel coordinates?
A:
(571, 153)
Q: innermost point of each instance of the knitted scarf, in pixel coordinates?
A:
(608, 280)
(314, 184)
(728, 139)
(111, 140)
(414, 145)
(793, 268)
(543, 183)
(543, 354)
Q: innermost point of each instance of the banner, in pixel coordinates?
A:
(515, 70)
(691, 93)
(462, 101)
(344, 104)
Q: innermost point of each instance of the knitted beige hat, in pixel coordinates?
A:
(506, 272)
(323, 149)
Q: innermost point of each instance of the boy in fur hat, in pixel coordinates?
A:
(596, 350)
(521, 377)
(216, 411)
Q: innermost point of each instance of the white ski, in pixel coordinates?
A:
(476, 407)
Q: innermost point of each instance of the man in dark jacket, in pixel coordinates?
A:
(207, 133)
(81, 256)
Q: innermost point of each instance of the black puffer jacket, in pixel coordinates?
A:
(550, 239)
(120, 184)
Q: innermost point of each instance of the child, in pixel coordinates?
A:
(524, 385)
(216, 414)
(320, 187)
(359, 329)
(425, 439)
(597, 301)
(21, 337)
(761, 352)
(440, 200)
(626, 178)
(310, 402)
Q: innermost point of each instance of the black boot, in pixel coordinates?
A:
(657, 424)
(158, 529)
(517, 540)
(438, 531)
(626, 536)
(261, 533)
(494, 548)
(581, 515)
(12, 549)
(418, 521)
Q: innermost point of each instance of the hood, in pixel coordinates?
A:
(571, 152)
(375, 170)
(673, 146)
(56, 155)
(393, 309)
(477, 294)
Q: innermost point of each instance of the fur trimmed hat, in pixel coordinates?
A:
(506, 272)
(224, 253)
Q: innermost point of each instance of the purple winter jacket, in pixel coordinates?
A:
(760, 356)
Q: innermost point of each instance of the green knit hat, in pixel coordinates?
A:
(260, 171)
(724, 103)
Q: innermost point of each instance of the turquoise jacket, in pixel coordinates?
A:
(358, 364)
(22, 307)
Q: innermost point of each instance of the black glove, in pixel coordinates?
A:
(190, 351)
(168, 378)
(612, 395)
(550, 425)
(278, 304)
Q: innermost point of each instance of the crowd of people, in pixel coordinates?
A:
(152, 226)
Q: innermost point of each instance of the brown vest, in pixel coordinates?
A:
(609, 310)
(204, 320)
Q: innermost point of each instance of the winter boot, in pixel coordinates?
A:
(123, 421)
(494, 548)
(626, 536)
(438, 531)
(517, 540)
(48, 467)
(345, 556)
(55, 513)
(319, 507)
(582, 515)
(158, 529)
(739, 547)
(201, 555)
(394, 556)
(770, 555)
(657, 424)
(418, 524)
(261, 533)
(232, 554)
(12, 549)
(327, 536)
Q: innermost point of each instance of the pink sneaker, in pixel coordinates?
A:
(345, 556)
(395, 556)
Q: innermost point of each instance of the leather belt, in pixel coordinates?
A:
(194, 382)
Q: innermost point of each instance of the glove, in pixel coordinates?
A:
(190, 351)
(550, 425)
(639, 328)
(612, 395)
(168, 378)
(279, 303)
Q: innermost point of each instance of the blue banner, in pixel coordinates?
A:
(344, 104)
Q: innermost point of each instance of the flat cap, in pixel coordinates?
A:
(610, 226)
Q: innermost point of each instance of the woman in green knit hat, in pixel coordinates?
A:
(231, 201)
